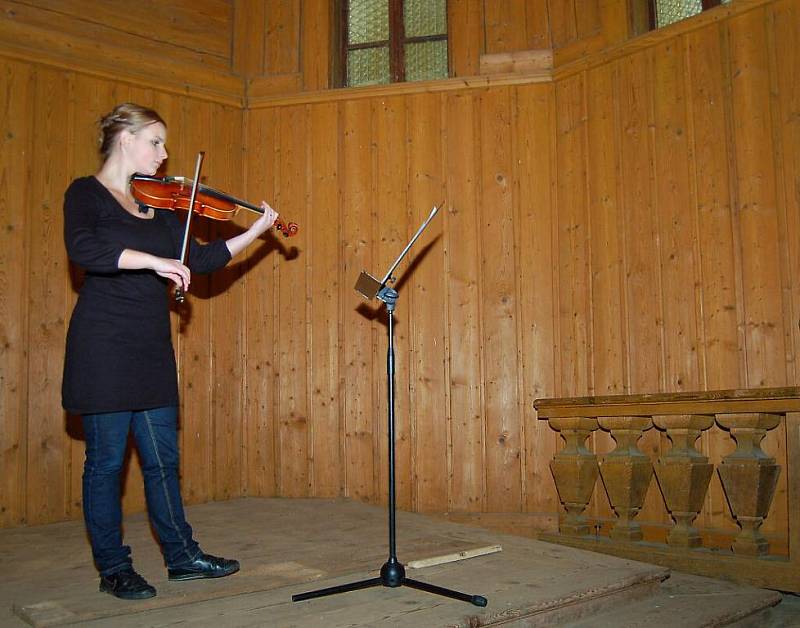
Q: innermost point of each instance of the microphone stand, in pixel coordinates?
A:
(393, 573)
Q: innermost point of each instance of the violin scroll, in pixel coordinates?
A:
(287, 229)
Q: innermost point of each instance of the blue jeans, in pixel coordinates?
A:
(156, 435)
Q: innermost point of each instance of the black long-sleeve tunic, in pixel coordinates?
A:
(119, 353)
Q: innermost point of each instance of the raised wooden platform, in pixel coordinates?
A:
(290, 546)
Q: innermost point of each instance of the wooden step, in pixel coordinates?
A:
(689, 601)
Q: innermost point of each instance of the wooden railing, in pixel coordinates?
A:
(748, 476)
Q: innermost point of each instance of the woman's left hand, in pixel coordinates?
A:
(239, 243)
(266, 220)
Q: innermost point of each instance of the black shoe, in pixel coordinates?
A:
(127, 584)
(204, 566)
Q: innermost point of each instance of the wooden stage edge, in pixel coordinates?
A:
(289, 546)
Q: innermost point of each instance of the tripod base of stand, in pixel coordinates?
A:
(393, 574)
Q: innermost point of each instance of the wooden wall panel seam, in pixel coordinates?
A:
(518, 288)
(780, 194)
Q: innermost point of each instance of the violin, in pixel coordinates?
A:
(176, 193)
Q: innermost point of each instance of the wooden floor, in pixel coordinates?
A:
(291, 546)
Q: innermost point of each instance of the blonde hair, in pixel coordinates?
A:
(124, 117)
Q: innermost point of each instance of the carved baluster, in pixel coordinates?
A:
(575, 471)
(749, 477)
(626, 473)
(683, 474)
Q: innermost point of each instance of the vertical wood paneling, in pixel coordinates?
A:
(499, 307)
(641, 297)
(535, 119)
(261, 295)
(357, 197)
(604, 183)
(47, 443)
(587, 18)
(757, 202)
(467, 488)
(316, 43)
(196, 374)
(392, 171)
(617, 20)
(714, 220)
(16, 102)
(784, 23)
(674, 205)
(465, 38)
(505, 26)
(249, 37)
(324, 289)
(563, 23)
(282, 37)
(780, 93)
(574, 237)
(291, 339)
(227, 304)
(428, 303)
(537, 26)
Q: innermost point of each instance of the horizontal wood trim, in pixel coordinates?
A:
(579, 49)
(711, 402)
(399, 89)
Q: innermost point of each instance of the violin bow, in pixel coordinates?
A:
(179, 295)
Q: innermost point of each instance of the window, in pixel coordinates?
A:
(664, 12)
(389, 41)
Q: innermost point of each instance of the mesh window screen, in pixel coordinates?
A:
(425, 17)
(670, 11)
(368, 20)
(368, 66)
(426, 61)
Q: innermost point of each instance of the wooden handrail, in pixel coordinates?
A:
(705, 402)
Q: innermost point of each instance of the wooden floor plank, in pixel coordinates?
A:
(289, 546)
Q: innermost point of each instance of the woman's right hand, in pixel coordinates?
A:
(173, 270)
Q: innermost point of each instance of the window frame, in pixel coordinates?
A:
(396, 42)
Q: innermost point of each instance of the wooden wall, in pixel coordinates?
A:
(628, 226)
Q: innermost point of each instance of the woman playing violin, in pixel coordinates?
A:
(120, 372)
